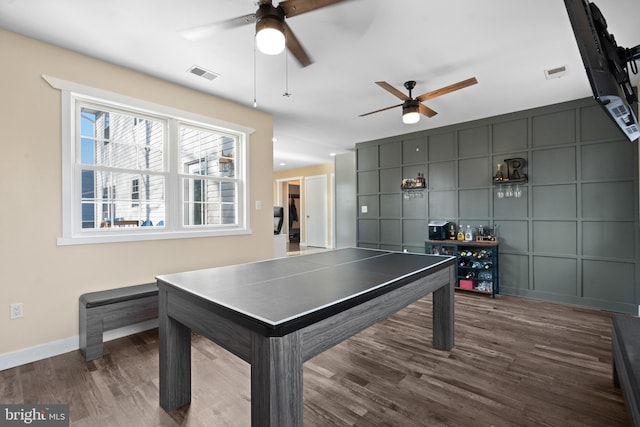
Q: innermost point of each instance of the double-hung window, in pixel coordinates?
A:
(123, 172)
(139, 171)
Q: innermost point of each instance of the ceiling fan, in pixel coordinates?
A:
(272, 31)
(413, 107)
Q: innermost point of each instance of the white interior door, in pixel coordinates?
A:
(316, 210)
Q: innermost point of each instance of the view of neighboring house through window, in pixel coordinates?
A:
(208, 180)
(123, 155)
(135, 192)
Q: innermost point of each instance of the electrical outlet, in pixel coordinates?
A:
(16, 311)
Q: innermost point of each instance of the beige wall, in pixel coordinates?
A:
(325, 169)
(48, 279)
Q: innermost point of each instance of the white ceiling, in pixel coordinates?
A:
(505, 44)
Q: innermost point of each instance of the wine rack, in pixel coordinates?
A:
(477, 263)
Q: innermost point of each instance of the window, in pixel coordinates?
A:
(138, 171)
(117, 151)
(135, 192)
(210, 188)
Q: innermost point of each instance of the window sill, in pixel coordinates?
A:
(109, 237)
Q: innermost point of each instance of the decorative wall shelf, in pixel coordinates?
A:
(413, 188)
(510, 181)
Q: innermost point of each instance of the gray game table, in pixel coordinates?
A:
(279, 313)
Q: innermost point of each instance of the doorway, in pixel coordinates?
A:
(290, 198)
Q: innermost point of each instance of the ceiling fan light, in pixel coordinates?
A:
(410, 118)
(270, 36)
(410, 112)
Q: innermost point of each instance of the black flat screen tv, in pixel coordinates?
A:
(606, 65)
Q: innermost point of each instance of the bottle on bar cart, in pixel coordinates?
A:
(468, 236)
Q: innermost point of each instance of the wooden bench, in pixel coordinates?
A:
(111, 309)
(625, 337)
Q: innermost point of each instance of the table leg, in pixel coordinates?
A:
(443, 315)
(175, 359)
(276, 381)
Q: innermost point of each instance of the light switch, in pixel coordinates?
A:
(364, 209)
(258, 205)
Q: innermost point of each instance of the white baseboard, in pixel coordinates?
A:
(54, 348)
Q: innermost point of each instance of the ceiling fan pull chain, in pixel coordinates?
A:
(255, 84)
(286, 74)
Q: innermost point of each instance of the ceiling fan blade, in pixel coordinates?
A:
(298, 7)
(447, 89)
(203, 31)
(296, 48)
(426, 111)
(395, 92)
(377, 111)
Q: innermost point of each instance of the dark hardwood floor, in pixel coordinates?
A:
(517, 362)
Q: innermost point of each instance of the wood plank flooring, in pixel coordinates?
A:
(517, 362)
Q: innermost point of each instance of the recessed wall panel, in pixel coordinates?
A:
(554, 201)
(553, 166)
(474, 203)
(441, 146)
(415, 207)
(554, 128)
(509, 136)
(368, 230)
(442, 175)
(609, 281)
(390, 205)
(414, 151)
(555, 237)
(607, 160)
(473, 142)
(367, 157)
(514, 271)
(368, 182)
(415, 232)
(510, 207)
(474, 172)
(513, 236)
(608, 200)
(390, 154)
(608, 239)
(555, 275)
(390, 231)
(390, 180)
(442, 204)
(370, 204)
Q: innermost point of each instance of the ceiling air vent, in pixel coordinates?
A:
(201, 72)
(554, 73)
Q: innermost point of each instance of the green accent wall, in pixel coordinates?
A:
(572, 237)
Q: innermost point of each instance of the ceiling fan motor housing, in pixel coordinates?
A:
(268, 16)
(410, 106)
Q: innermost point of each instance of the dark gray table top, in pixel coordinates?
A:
(278, 294)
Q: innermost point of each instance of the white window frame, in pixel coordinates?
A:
(72, 232)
